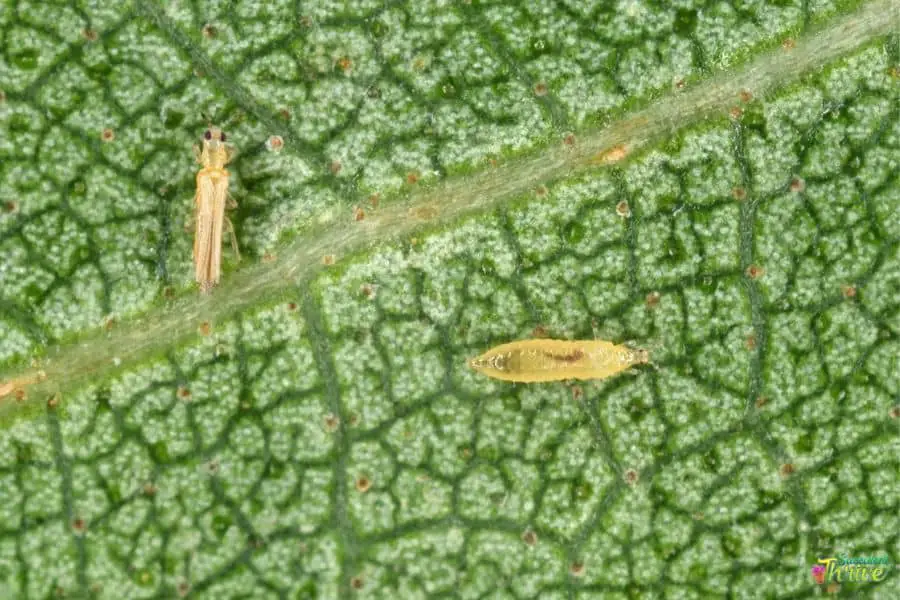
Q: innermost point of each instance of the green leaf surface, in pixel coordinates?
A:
(716, 182)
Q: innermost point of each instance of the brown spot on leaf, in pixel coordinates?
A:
(623, 209)
(209, 31)
(358, 213)
(750, 341)
(652, 299)
(345, 64)
(895, 412)
(292, 306)
(205, 328)
(786, 470)
(107, 135)
(183, 393)
(335, 167)
(739, 194)
(848, 291)
(755, 272)
(275, 143)
(79, 526)
(631, 477)
(612, 155)
(541, 191)
(53, 402)
(798, 184)
(577, 392)
(10, 206)
(577, 569)
(332, 422)
(89, 34)
(529, 537)
(761, 401)
(328, 260)
(735, 112)
(569, 139)
(745, 96)
(373, 200)
(788, 44)
(412, 178)
(540, 89)
(363, 484)
(367, 290)
(356, 582)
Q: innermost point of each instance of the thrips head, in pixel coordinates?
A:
(635, 356)
(640, 356)
(213, 136)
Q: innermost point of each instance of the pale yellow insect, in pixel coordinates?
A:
(536, 360)
(209, 208)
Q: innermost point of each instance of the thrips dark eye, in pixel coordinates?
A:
(222, 136)
(208, 135)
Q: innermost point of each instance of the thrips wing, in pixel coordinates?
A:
(219, 198)
(203, 206)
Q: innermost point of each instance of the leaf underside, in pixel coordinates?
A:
(416, 183)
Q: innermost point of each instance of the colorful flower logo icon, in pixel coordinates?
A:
(818, 573)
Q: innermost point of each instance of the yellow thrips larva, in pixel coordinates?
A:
(531, 361)
(209, 208)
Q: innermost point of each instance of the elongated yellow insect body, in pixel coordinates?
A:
(531, 361)
(209, 208)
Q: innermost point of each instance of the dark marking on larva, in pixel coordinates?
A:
(572, 357)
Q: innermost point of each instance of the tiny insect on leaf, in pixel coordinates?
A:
(210, 202)
(537, 360)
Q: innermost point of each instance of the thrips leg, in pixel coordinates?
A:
(234, 244)
(230, 153)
